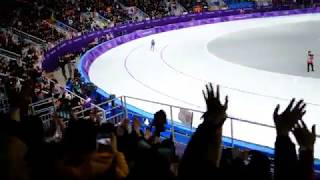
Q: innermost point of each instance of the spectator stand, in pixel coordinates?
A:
(64, 105)
(11, 43)
(117, 14)
(216, 5)
(263, 3)
(101, 20)
(85, 107)
(30, 38)
(115, 112)
(4, 101)
(136, 13)
(176, 9)
(64, 27)
(53, 25)
(241, 5)
(80, 105)
(96, 20)
(9, 54)
(198, 6)
(6, 59)
(43, 109)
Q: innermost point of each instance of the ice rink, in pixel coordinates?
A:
(259, 63)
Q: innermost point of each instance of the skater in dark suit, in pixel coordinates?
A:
(153, 43)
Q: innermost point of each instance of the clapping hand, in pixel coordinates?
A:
(304, 137)
(216, 112)
(289, 117)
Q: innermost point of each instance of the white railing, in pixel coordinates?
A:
(138, 13)
(178, 10)
(233, 127)
(30, 37)
(58, 28)
(112, 106)
(261, 3)
(108, 114)
(73, 95)
(43, 106)
(134, 12)
(46, 120)
(8, 58)
(83, 110)
(8, 76)
(44, 110)
(101, 21)
(4, 105)
(65, 26)
(10, 54)
(215, 4)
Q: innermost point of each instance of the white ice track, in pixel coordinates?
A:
(176, 72)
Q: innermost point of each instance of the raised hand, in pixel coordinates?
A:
(304, 137)
(216, 112)
(289, 117)
(136, 126)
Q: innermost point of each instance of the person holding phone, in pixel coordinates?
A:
(104, 137)
(107, 154)
(91, 153)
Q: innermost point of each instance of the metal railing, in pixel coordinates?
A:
(4, 105)
(44, 110)
(136, 12)
(12, 59)
(139, 14)
(9, 54)
(116, 109)
(114, 112)
(215, 4)
(8, 76)
(179, 9)
(57, 28)
(46, 120)
(83, 109)
(234, 128)
(32, 38)
(44, 106)
(64, 26)
(101, 21)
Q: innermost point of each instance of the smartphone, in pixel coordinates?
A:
(105, 141)
(104, 145)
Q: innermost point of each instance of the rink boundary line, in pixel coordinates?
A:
(149, 87)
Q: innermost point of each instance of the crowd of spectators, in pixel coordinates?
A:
(33, 18)
(90, 149)
(11, 42)
(53, 21)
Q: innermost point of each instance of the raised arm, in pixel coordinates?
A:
(306, 141)
(285, 152)
(202, 155)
